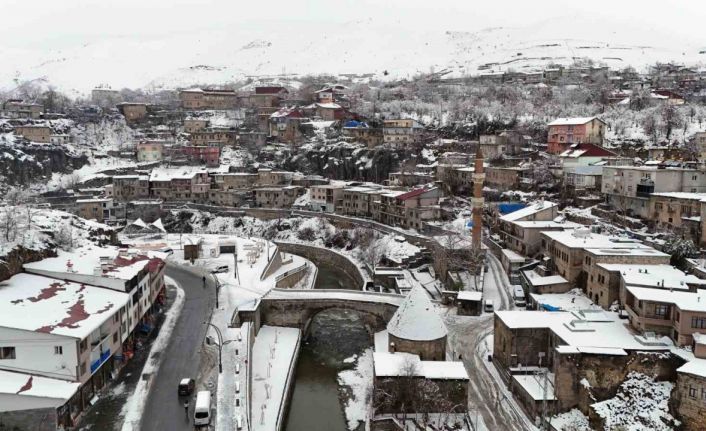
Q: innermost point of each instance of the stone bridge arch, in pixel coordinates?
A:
(299, 312)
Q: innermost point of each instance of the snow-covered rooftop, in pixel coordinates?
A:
(528, 211)
(585, 331)
(665, 276)
(535, 385)
(571, 121)
(35, 386)
(539, 280)
(407, 365)
(86, 260)
(569, 301)
(416, 318)
(583, 238)
(686, 301)
(466, 295)
(182, 173)
(42, 304)
(682, 195)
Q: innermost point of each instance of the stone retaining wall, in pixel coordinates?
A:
(323, 256)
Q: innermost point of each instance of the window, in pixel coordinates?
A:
(661, 310)
(698, 322)
(7, 353)
(58, 350)
(83, 368)
(692, 392)
(115, 337)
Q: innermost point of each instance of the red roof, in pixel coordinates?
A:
(411, 194)
(590, 150)
(270, 90)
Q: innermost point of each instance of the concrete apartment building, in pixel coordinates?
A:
(209, 155)
(520, 230)
(507, 178)
(187, 184)
(401, 132)
(690, 394)
(628, 188)
(285, 125)
(35, 133)
(131, 187)
(103, 210)
(150, 150)
(563, 132)
(326, 197)
(197, 98)
(192, 125)
(699, 139)
(358, 201)
(220, 136)
(408, 209)
(508, 142)
(78, 311)
(567, 249)
(17, 108)
(363, 132)
(677, 212)
(277, 197)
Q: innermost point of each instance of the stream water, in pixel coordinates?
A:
(334, 335)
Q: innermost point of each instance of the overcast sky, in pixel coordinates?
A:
(47, 24)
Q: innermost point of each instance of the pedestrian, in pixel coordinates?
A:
(203, 279)
(186, 409)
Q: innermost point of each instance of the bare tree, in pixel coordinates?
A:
(9, 223)
(373, 253)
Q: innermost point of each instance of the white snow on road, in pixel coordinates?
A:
(135, 405)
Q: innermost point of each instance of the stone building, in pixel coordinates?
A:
(150, 150)
(690, 394)
(131, 187)
(101, 210)
(507, 178)
(677, 212)
(417, 328)
(196, 98)
(409, 209)
(605, 266)
(276, 197)
(133, 111)
(35, 133)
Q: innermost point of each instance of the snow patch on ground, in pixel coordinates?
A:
(360, 382)
(641, 404)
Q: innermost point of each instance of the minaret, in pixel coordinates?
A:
(477, 200)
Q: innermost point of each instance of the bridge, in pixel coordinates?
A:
(296, 308)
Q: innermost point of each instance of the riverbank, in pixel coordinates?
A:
(274, 359)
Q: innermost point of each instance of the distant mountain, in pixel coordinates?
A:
(361, 47)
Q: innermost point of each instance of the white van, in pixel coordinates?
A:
(518, 295)
(239, 422)
(202, 410)
(237, 387)
(237, 368)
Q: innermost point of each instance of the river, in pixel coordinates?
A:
(334, 336)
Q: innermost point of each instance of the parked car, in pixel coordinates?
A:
(220, 269)
(166, 250)
(186, 386)
(489, 307)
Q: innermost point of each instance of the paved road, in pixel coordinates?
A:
(165, 410)
(466, 335)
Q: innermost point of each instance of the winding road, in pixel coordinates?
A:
(164, 409)
(467, 336)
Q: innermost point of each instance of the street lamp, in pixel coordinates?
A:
(221, 343)
(218, 287)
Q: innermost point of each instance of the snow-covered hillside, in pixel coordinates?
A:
(229, 53)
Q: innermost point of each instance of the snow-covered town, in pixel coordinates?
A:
(370, 217)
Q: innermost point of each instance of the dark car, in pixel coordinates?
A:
(186, 386)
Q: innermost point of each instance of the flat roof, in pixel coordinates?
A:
(402, 364)
(666, 276)
(582, 330)
(49, 305)
(688, 301)
(85, 260)
(466, 295)
(535, 385)
(12, 383)
(528, 211)
(583, 238)
(539, 280)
